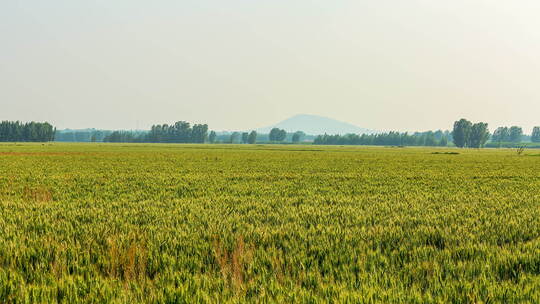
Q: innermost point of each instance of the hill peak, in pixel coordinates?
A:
(315, 125)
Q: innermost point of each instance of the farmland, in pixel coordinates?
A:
(129, 223)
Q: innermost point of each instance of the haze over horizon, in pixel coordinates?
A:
(384, 65)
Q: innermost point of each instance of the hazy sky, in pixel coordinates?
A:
(239, 64)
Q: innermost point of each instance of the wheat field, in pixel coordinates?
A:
(151, 223)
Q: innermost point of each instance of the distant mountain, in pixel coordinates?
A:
(315, 125)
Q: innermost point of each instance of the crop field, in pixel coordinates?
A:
(129, 223)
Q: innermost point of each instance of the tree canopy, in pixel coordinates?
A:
(298, 136)
(179, 132)
(252, 137)
(535, 136)
(28, 132)
(467, 134)
(277, 134)
(429, 138)
(461, 132)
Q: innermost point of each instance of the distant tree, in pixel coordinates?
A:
(32, 131)
(479, 135)
(183, 133)
(298, 136)
(277, 134)
(515, 134)
(199, 133)
(234, 137)
(429, 139)
(443, 142)
(461, 132)
(245, 136)
(535, 136)
(386, 139)
(501, 134)
(120, 137)
(252, 138)
(281, 135)
(295, 138)
(439, 134)
(180, 132)
(273, 134)
(212, 137)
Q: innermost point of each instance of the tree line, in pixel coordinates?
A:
(465, 134)
(535, 136)
(276, 135)
(86, 135)
(430, 138)
(179, 132)
(513, 134)
(183, 132)
(235, 137)
(26, 132)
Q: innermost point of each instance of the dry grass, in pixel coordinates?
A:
(127, 261)
(233, 264)
(39, 194)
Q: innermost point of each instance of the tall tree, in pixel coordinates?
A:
(199, 133)
(479, 135)
(535, 136)
(501, 134)
(245, 136)
(443, 142)
(430, 139)
(182, 132)
(212, 137)
(298, 136)
(515, 134)
(252, 138)
(274, 134)
(282, 134)
(385, 139)
(234, 137)
(461, 132)
(32, 131)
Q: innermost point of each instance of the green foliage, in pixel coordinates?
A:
(245, 137)
(443, 142)
(501, 134)
(234, 138)
(199, 133)
(16, 131)
(535, 136)
(277, 135)
(252, 137)
(180, 132)
(512, 145)
(479, 135)
(462, 133)
(212, 137)
(515, 134)
(429, 138)
(467, 134)
(121, 136)
(143, 223)
(86, 135)
(298, 136)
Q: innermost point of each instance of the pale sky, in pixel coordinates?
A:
(242, 64)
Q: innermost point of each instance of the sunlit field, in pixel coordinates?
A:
(131, 223)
